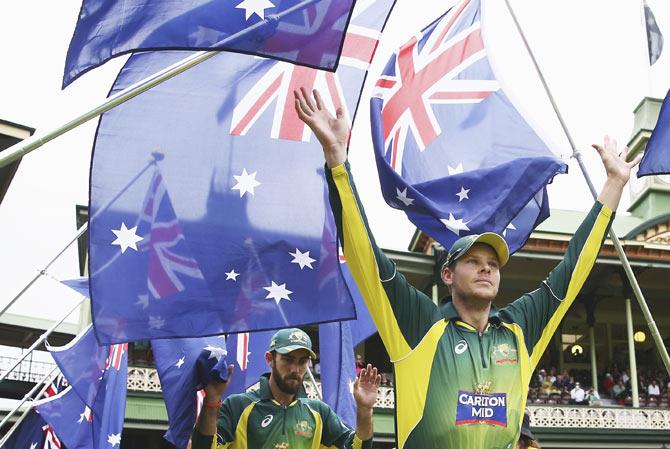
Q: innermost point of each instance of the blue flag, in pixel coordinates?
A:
(338, 366)
(90, 412)
(185, 366)
(224, 228)
(452, 151)
(312, 36)
(656, 158)
(32, 433)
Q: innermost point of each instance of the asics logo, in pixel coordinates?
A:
(266, 421)
(461, 347)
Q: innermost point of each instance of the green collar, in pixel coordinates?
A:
(449, 312)
(266, 394)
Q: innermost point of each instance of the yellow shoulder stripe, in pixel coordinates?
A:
(363, 265)
(412, 383)
(585, 262)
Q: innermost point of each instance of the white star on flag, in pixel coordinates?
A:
(82, 416)
(246, 182)
(126, 238)
(278, 292)
(142, 300)
(114, 439)
(156, 322)
(232, 275)
(180, 362)
(33, 445)
(463, 194)
(454, 171)
(511, 227)
(302, 259)
(402, 197)
(454, 225)
(257, 7)
(215, 352)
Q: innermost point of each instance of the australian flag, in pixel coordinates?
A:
(185, 366)
(338, 366)
(452, 151)
(90, 412)
(305, 32)
(656, 158)
(243, 243)
(34, 432)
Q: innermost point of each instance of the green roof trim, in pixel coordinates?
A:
(146, 409)
(562, 221)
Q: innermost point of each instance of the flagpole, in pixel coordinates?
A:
(615, 240)
(28, 396)
(39, 341)
(83, 228)
(26, 146)
(316, 388)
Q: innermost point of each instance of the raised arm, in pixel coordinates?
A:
(538, 313)
(618, 171)
(366, 388)
(401, 313)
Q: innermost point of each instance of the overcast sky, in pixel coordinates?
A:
(593, 54)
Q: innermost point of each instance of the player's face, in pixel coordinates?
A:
(475, 275)
(288, 370)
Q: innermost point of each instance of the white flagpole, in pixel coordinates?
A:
(615, 240)
(39, 341)
(156, 157)
(316, 387)
(26, 146)
(46, 381)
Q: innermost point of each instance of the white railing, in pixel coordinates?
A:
(143, 379)
(146, 379)
(600, 417)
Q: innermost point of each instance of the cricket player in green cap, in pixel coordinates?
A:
(461, 370)
(279, 415)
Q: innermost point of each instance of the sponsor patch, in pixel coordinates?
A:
(504, 353)
(481, 408)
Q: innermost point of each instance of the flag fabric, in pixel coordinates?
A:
(311, 36)
(90, 412)
(338, 365)
(656, 158)
(235, 239)
(31, 434)
(452, 151)
(185, 366)
(654, 35)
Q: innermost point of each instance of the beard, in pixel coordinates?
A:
(284, 385)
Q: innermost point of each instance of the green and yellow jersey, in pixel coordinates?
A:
(456, 387)
(254, 420)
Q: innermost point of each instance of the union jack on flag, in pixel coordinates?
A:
(238, 246)
(164, 243)
(446, 135)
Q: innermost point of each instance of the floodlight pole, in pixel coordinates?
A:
(658, 340)
(26, 146)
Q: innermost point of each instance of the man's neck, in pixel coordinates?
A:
(475, 314)
(284, 399)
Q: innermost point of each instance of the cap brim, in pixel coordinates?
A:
(527, 433)
(496, 242)
(287, 349)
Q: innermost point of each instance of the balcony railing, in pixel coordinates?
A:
(554, 416)
(28, 370)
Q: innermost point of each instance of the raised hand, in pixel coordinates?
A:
(215, 388)
(618, 171)
(332, 132)
(615, 161)
(366, 386)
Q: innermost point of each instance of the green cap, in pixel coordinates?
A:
(288, 340)
(462, 245)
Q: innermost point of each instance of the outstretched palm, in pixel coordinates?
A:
(332, 132)
(366, 386)
(615, 161)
